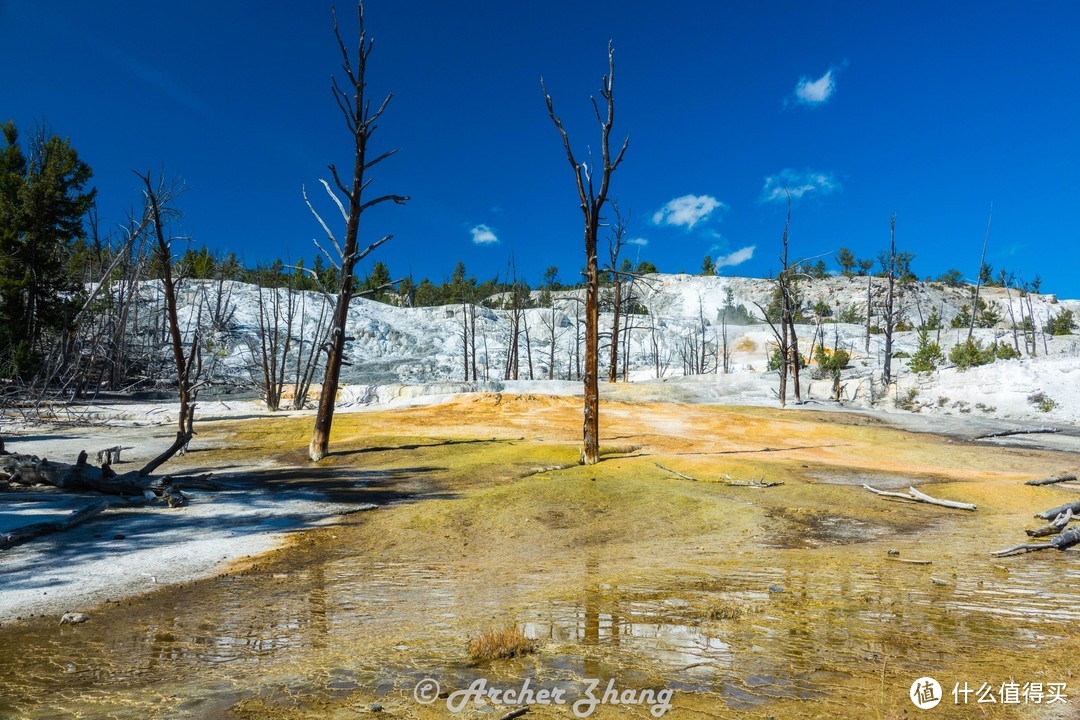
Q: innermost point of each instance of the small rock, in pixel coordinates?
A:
(73, 618)
(894, 552)
(375, 707)
(775, 589)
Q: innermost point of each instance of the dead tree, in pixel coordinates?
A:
(726, 348)
(465, 333)
(551, 319)
(187, 367)
(274, 343)
(786, 339)
(888, 263)
(978, 278)
(1012, 315)
(615, 246)
(361, 122)
(592, 204)
(309, 357)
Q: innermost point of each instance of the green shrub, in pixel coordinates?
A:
(1041, 400)
(962, 319)
(927, 355)
(1004, 351)
(830, 362)
(970, 353)
(775, 359)
(985, 316)
(852, 315)
(1061, 324)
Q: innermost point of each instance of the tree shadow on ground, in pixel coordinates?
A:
(411, 446)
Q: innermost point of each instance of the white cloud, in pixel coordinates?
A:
(810, 92)
(815, 92)
(736, 258)
(639, 241)
(798, 183)
(483, 235)
(687, 210)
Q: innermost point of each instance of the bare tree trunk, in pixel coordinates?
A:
(978, 278)
(1012, 318)
(472, 339)
(361, 121)
(183, 367)
(465, 336)
(869, 309)
(613, 364)
(592, 204)
(528, 343)
(785, 361)
(785, 334)
(727, 357)
(890, 298)
(552, 340)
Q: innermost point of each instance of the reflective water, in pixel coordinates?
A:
(325, 630)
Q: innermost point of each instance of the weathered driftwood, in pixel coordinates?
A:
(910, 561)
(1054, 527)
(515, 714)
(887, 493)
(1054, 512)
(917, 496)
(22, 534)
(1052, 480)
(31, 470)
(762, 483)
(923, 497)
(1019, 431)
(110, 455)
(675, 472)
(1059, 542)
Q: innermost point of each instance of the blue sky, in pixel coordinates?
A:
(929, 110)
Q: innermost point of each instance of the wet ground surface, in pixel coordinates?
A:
(745, 601)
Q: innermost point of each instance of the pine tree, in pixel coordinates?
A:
(846, 260)
(42, 205)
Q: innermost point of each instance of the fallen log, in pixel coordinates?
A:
(27, 532)
(1054, 512)
(515, 714)
(1064, 540)
(762, 483)
(917, 496)
(1052, 480)
(110, 455)
(30, 470)
(675, 472)
(923, 497)
(1054, 527)
(172, 496)
(1019, 431)
(909, 561)
(887, 493)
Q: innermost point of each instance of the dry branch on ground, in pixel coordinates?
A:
(917, 496)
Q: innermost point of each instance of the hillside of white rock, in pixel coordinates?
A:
(397, 351)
